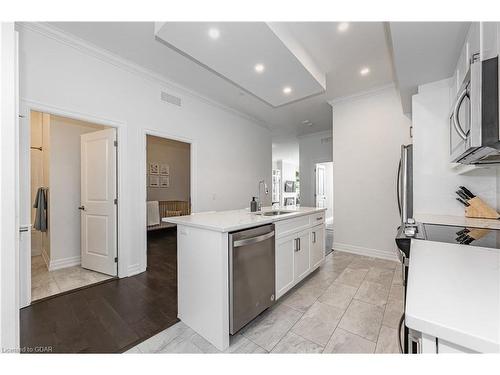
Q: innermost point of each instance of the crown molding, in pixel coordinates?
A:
(361, 95)
(92, 50)
(317, 134)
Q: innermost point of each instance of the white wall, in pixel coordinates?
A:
(434, 181)
(313, 148)
(368, 131)
(65, 190)
(177, 156)
(286, 148)
(232, 152)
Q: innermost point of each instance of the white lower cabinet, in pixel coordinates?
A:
(433, 345)
(301, 256)
(285, 250)
(299, 251)
(317, 252)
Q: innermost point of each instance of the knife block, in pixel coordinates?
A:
(479, 209)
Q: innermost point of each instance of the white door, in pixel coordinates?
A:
(98, 207)
(320, 186)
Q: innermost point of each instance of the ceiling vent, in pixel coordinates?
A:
(172, 99)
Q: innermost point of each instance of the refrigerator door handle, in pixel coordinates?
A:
(398, 187)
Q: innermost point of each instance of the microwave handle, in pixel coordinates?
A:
(456, 109)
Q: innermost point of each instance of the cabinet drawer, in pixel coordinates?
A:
(317, 219)
(289, 226)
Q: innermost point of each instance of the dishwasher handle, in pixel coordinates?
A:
(253, 240)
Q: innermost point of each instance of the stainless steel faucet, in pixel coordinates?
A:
(266, 190)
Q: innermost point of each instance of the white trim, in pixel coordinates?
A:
(135, 269)
(361, 94)
(65, 262)
(9, 176)
(382, 254)
(317, 134)
(118, 61)
(123, 249)
(143, 189)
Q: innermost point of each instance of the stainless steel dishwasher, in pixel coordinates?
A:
(251, 274)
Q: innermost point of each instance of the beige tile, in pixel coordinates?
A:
(345, 342)
(239, 344)
(269, 328)
(373, 293)
(338, 295)
(363, 319)
(385, 263)
(318, 323)
(293, 343)
(362, 262)
(393, 311)
(300, 299)
(72, 278)
(387, 341)
(188, 341)
(398, 276)
(396, 293)
(379, 275)
(157, 342)
(352, 277)
(40, 279)
(44, 290)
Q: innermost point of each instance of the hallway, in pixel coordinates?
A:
(111, 316)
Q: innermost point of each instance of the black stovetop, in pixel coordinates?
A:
(449, 234)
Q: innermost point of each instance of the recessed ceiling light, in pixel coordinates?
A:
(259, 68)
(287, 90)
(364, 71)
(213, 33)
(342, 26)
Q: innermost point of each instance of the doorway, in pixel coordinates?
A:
(70, 192)
(168, 193)
(324, 197)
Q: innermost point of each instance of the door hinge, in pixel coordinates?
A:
(115, 143)
(116, 200)
(21, 116)
(116, 259)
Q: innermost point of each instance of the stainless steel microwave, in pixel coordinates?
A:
(473, 121)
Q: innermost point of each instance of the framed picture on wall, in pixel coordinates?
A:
(154, 168)
(164, 169)
(164, 181)
(154, 181)
(289, 186)
(289, 201)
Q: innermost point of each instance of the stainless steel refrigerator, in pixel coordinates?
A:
(405, 183)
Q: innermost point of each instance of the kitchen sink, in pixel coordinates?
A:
(274, 213)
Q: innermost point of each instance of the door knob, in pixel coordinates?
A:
(81, 208)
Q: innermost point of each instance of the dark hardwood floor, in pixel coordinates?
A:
(112, 316)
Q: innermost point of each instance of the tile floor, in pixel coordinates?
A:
(352, 304)
(45, 283)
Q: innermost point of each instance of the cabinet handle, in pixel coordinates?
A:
(295, 246)
(298, 239)
(314, 237)
(319, 218)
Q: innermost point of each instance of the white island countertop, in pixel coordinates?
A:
(453, 294)
(228, 221)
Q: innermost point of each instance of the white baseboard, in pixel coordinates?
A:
(389, 255)
(135, 269)
(57, 264)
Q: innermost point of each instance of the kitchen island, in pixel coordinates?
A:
(203, 260)
(453, 297)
